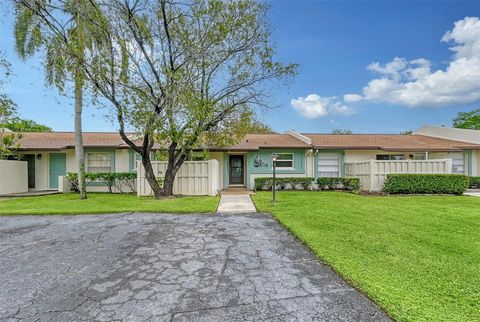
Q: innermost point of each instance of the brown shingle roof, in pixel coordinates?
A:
(387, 142)
(257, 141)
(66, 140)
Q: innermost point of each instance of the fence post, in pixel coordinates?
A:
(448, 166)
(372, 165)
(409, 166)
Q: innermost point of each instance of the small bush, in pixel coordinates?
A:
(110, 179)
(344, 183)
(426, 183)
(128, 179)
(72, 178)
(291, 183)
(474, 182)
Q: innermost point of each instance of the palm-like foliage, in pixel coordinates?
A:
(59, 66)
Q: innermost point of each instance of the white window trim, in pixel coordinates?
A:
(87, 165)
(285, 168)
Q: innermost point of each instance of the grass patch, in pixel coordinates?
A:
(98, 203)
(416, 256)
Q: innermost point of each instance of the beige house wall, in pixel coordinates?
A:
(219, 157)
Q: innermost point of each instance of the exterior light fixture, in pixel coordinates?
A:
(274, 164)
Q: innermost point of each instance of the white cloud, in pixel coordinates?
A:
(414, 84)
(351, 98)
(313, 106)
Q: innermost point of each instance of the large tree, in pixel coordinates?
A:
(58, 48)
(468, 120)
(175, 72)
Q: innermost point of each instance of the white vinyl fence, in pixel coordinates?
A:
(13, 176)
(193, 178)
(372, 173)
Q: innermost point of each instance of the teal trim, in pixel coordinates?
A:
(132, 158)
(342, 164)
(470, 162)
(57, 167)
(247, 175)
(225, 170)
(341, 170)
(266, 156)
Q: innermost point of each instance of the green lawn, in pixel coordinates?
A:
(104, 203)
(418, 257)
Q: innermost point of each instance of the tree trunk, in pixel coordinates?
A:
(79, 152)
(172, 168)
(168, 180)
(150, 176)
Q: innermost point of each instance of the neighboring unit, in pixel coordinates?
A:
(431, 149)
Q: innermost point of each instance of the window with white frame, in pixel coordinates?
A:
(458, 163)
(329, 164)
(99, 162)
(284, 160)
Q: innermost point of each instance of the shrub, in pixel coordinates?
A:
(110, 179)
(128, 179)
(344, 183)
(426, 183)
(291, 183)
(474, 182)
(72, 178)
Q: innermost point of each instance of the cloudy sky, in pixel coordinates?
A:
(368, 66)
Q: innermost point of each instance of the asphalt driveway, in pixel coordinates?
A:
(136, 267)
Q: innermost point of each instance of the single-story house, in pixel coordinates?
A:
(50, 155)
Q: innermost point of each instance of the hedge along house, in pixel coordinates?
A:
(50, 155)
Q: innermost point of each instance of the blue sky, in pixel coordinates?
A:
(334, 42)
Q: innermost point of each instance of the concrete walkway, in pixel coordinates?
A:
(472, 193)
(236, 203)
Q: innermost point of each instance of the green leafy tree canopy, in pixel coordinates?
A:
(468, 120)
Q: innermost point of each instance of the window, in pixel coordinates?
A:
(99, 162)
(329, 165)
(420, 156)
(458, 163)
(390, 157)
(134, 157)
(284, 160)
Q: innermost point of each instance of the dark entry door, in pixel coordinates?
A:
(30, 158)
(236, 169)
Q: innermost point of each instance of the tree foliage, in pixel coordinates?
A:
(9, 141)
(468, 120)
(342, 131)
(72, 39)
(177, 73)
